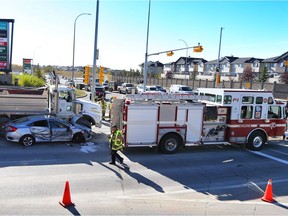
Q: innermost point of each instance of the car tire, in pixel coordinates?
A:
(78, 138)
(27, 140)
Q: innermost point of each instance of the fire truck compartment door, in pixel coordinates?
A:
(194, 124)
(141, 125)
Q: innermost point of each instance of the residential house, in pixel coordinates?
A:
(239, 65)
(276, 64)
(153, 68)
(192, 64)
(233, 66)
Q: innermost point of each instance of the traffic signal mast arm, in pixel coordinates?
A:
(198, 48)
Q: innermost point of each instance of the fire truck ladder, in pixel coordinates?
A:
(153, 96)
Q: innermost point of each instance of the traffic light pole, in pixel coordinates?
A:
(218, 72)
(197, 48)
(174, 50)
(95, 53)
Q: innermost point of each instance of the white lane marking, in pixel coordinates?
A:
(278, 151)
(174, 190)
(270, 157)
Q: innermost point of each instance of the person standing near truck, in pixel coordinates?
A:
(116, 143)
(103, 105)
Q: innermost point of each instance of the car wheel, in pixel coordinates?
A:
(78, 138)
(170, 143)
(27, 140)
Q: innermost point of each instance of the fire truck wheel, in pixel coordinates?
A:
(256, 140)
(170, 143)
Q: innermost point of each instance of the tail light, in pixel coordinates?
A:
(11, 128)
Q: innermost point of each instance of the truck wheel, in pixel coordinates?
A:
(27, 140)
(170, 143)
(78, 138)
(84, 122)
(256, 141)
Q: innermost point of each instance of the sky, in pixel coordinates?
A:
(43, 30)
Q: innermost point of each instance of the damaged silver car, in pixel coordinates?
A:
(30, 129)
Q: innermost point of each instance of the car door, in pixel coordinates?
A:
(59, 131)
(40, 130)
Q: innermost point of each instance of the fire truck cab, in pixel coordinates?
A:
(251, 117)
(214, 116)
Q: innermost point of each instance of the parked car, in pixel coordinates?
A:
(139, 88)
(113, 85)
(99, 92)
(42, 128)
(160, 88)
(182, 89)
(106, 85)
(126, 88)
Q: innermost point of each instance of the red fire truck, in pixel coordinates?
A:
(214, 116)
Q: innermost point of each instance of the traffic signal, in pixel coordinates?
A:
(286, 63)
(86, 74)
(218, 78)
(198, 48)
(101, 75)
(170, 53)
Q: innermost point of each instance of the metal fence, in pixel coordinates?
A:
(280, 91)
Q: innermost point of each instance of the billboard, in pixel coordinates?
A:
(27, 66)
(6, 43)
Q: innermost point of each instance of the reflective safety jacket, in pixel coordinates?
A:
(116, 140)
(103, 105)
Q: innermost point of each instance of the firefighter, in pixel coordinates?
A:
(110, 106)
(103, 105)
(116, 143)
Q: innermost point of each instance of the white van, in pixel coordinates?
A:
(182, 89)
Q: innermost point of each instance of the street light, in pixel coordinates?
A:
(186, 66)
(74, 42)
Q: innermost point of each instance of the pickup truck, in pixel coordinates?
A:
(126, 88)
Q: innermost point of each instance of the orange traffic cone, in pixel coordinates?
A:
(268, 195)
(66, 201)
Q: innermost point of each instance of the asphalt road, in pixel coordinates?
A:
(205, 180)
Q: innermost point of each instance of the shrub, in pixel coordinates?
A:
(28, 80)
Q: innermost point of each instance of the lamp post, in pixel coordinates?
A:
(186, 66)
(74, 42)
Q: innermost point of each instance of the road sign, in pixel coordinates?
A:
(6, 37)
(3, 49)
(27, 65)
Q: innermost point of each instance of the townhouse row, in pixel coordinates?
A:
(229, 65)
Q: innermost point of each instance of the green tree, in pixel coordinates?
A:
(48, 69)
(264, 74)
(37, 72)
